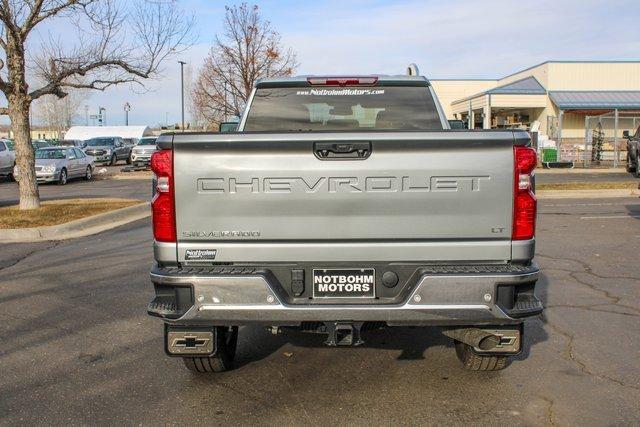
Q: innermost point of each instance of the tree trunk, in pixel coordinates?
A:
(19, 104)
(25, 159)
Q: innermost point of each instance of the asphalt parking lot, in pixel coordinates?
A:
(100, 187)
(78, 347)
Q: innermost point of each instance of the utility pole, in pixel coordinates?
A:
(102, 116)
(127, 108)
(226, 112)
(182, 90)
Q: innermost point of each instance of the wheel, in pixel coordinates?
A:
(475, 362)
(88, 174)
(11, 177)
(630, 167)
(63, 177)
(226, 343)
(113, 160)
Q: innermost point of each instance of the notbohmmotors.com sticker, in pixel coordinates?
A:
(200, 254)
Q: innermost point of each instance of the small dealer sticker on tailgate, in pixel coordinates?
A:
(344, 283)
(200, 254)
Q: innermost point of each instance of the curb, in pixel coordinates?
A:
(574, 171)
(586, 194)
(78, 228)
(124, 176)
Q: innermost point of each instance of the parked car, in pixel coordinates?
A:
(130, 142)
(633, 152)
(108, 150)
(141, 153)
(315, 218)
(40, 143)
(7, 158)
(72, 143)
(59, 164)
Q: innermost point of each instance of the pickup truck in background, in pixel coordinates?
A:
(633, 151)
(339, 206)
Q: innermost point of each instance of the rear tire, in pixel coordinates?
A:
(475, 362)
(226, 344)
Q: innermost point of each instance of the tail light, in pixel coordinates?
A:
(524, 200)
(163, 203)
(342, 81)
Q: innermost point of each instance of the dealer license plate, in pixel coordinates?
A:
(344, 283)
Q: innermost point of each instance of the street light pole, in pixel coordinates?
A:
(127, 108)
(182, 90)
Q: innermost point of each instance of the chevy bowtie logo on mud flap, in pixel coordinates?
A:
(341, 184)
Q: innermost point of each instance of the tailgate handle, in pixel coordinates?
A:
(342, 150)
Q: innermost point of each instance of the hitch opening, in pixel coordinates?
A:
(343, 334)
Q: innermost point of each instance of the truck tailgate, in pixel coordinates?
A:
(411, 196)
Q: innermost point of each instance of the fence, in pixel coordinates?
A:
(603, 142)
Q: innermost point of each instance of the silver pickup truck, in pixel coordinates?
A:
(339, 206)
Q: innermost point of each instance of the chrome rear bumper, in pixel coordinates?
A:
(437, 299)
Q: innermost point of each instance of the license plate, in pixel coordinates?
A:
(344, 283)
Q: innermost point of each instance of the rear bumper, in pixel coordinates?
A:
(246, 295)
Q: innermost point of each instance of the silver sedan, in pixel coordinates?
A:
(59, 164)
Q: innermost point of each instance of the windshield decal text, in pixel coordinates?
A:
(340, 92)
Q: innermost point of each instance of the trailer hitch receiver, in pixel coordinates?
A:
(343, 334)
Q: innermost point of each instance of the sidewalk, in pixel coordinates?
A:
(560, 171)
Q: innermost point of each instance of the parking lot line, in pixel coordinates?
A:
(610, 217)
(590, 204)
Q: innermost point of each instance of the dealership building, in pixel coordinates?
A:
(560, 98)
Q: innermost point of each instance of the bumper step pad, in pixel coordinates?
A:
(163, 307)
(526, 305)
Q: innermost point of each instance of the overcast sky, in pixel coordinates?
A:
(447, 39)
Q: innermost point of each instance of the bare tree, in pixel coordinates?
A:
(248, 50)
(106, 42)
(59, 113)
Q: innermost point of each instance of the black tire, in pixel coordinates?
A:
(630, 167)
(226, 344)
(113, 160)
(475, 362)
(88, 175)
(10, 176)
(63, 178)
